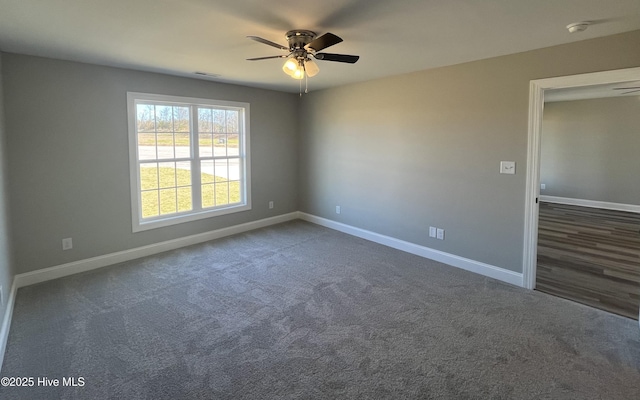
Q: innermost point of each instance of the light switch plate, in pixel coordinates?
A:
(508, 167)
(432, 231)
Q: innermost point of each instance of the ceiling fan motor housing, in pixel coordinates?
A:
(299, 38)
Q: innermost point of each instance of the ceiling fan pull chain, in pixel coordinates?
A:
(300, 82)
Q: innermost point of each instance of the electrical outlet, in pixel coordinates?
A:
(337, 209)
(432, 231)
(1, 297)
(440, 234)
(67, 244)
(508, 167)
(270, 205)
(543, 186)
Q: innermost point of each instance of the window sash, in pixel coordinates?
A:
(197, 211)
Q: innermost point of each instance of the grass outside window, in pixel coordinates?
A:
(160, 181)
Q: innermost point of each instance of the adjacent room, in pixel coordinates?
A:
(346, 199)
(589, 241)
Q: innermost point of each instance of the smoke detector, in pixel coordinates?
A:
(578, 26)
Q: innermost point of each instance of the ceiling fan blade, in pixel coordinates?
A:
(626, 88)
(345, 58)
(268, 42)
(266, 58)
(324, 41)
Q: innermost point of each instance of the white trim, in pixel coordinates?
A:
(591, 203)
(6, 322)
(477, 267)
(59, 271)
(532, 191)
(536, 107)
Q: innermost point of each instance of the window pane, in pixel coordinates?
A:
(165, 145)
(145, 116)
(233, 142)
(146, 146)
(164, 120)
(219, 145)
(221, 170)
(232, 121)
(149, 201)
(204, 120)
(234, 192)
(148, 176)
(207, 196)
(181, 119)
(183, 173)
(168, 201)
(222, 193)
(167, 174)
(205, 142)
(183, 149)
(206, 171)
(234, 169)
(219, 123)
(184, 199)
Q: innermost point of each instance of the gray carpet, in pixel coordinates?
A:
(297, 311)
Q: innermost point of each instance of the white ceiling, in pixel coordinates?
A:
(392, 37)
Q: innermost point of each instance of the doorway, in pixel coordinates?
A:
(539, 89)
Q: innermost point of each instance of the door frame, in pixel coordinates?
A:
(537, 89)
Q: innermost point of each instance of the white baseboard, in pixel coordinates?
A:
(591, 203)
(6, 322)
(58, 271)
(514, 278)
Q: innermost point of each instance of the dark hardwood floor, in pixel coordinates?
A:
(591, 256)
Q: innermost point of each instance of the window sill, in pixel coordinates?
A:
(182, 218)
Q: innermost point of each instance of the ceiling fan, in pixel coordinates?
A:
(304, 47)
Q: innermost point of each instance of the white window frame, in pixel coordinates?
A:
(197, 213)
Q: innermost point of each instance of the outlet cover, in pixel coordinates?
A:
(543, 186)
(440, 234)
(508, 167)
(1, 297)
(270, 205)
(338, 210)
(432, 231)
(67, 244)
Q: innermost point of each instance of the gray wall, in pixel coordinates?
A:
(590, 150)
(403, 153)
(6, 270)
(66, 127)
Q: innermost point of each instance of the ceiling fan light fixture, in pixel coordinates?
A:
(311, 67)
(299, 72)
(290, 66)
(294, 68)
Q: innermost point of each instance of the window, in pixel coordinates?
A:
(189, 159)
